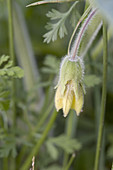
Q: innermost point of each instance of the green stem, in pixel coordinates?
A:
(70, 162)
(36, 129)
(40, 142)
(73, 34)
(44, 117)
(11, 49)
(81, 33)
(103, 101)
(70, 126)
(27, 119)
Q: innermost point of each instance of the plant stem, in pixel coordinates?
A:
(71, 125)
(70, 162)
(11, 49)
(80, 20)
(81, 33)
(40, 142)
(44, 117)
(103, 101)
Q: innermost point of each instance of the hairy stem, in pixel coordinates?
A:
(103, 101)
(80, 20)
(81, 33)
(40, 142)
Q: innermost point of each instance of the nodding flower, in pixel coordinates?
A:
(70, 89)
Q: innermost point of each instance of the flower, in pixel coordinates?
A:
(70, 89)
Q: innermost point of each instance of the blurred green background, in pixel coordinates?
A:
(34, 95)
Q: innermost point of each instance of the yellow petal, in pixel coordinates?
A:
(58, 100)
(73, 103)
(67, 99)
(77, 104)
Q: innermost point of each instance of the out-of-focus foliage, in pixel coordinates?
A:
(91, 80)
(8, 68)
(70, 145)
(35, 99)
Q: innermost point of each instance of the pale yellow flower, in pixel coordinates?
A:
(70, 91)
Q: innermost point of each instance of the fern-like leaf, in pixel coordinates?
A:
(58, 27)
(8, 70)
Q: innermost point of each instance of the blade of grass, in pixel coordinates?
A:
(25, 54)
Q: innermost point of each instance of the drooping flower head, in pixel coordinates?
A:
(70, 88)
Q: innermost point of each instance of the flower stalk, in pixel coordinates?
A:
(70, 88)
(75, 48)
(79, 22)
(103, 100)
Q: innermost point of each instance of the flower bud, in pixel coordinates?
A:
(70, 89)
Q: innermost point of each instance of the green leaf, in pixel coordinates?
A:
(51, 65)
(8, 147)
(3, 59)
(14, 72)
(57, 28)
(66, 143)
(52, 150)
(91, 80)
(9, 64)
(4, 104)
(8, 69)
(2, 72)
(19, 73)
